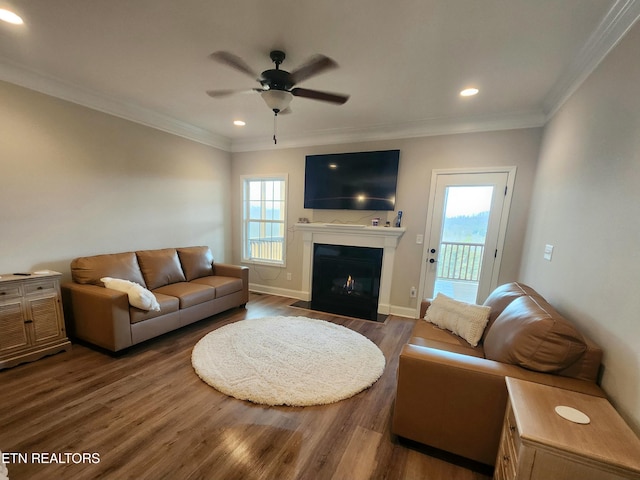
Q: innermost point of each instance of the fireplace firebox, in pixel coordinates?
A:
(346, 280)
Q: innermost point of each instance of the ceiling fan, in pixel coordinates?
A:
(277, 87)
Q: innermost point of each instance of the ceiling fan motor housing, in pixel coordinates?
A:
(276, 79)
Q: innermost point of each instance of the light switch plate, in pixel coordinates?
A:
(548, 252)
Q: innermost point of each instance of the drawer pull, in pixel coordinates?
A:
(3, 293)
(40, 288)
(28, 321)
(512, 428)
(505, 458)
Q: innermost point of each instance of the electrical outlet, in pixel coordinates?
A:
(288, 275)
(419, 239)
(412, 292)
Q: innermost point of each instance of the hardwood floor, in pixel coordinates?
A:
(146, 415)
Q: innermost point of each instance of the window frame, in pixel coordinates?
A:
(245, 218)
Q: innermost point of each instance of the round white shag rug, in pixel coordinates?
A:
(295, 361)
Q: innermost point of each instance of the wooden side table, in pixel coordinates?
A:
(539, 444)
(31, 320)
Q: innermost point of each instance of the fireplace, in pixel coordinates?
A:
(346, 280)
(383, 238)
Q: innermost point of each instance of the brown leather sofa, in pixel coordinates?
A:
(452, 396)
(186, 282)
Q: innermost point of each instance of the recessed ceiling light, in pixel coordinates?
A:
(239, 123)
(10, 17)
(469, 92)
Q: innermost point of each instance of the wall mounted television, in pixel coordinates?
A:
(352, 181)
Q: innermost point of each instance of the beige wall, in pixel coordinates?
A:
(586, 204)
(418, 157)
(74, 181)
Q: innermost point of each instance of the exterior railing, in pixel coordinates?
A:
(460, 261)
(266, 248)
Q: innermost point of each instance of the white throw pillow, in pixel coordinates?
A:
(464, 319)
(139, 296)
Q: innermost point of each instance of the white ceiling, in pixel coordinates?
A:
(402, 62)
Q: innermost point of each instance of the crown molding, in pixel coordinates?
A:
(426, 128)
(19, 75)
(615, 24)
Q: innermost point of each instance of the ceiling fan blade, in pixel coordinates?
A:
(318, 95)
(315, 65)
(233, 61)
(226, 93)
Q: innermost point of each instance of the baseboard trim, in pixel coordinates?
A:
(279, 292)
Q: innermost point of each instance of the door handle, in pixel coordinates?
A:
(433, 250)
(432, 260)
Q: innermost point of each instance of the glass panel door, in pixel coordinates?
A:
(463, 235)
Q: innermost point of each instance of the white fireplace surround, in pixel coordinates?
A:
(352, 235)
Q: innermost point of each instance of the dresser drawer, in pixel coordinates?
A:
(10, 291)
(512, 431)
(40, 287)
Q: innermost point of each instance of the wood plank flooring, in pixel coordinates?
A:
(146, 415)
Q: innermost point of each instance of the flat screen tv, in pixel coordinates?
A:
(352, 181)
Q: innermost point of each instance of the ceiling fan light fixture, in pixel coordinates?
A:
(277, 100)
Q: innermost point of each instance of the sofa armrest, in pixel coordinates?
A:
(457, 402)
(424, 304)
(242, 272)
(98, 315)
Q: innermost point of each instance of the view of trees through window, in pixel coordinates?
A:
(464, 231)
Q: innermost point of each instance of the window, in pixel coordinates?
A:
(264, 219)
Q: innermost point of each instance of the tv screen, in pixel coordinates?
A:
(352, 181)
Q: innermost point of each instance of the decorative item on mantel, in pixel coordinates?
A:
(399, 219)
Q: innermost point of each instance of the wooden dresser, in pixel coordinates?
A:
(538, 444)
(31, 320)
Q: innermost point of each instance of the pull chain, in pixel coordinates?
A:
(275, 126)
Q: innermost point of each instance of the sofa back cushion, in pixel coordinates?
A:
(500, 299)
(196, 262)
(89, 270)
(160, 267)
(531, 334)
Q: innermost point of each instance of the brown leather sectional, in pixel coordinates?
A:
(187, 283)
(453, 396)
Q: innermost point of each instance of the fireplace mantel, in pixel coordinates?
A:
(386, 238)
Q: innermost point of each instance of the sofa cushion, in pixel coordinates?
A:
(167, 304)
(188, 293)
(160, 267)
(223, 285)
(464, 319)
(196, 262)
(426, 334)
(531, 334)
(89, 270)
